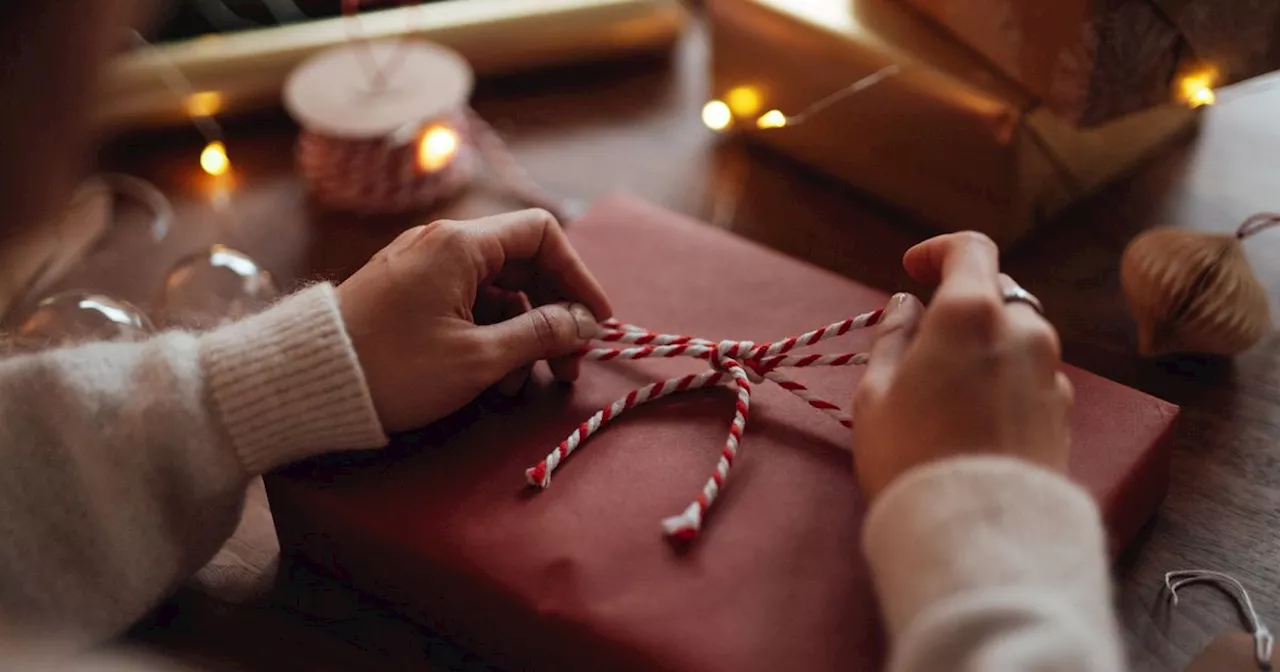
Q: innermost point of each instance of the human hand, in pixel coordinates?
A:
(968, 375)
(418, 313)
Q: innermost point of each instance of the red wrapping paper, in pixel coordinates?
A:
(443, 527)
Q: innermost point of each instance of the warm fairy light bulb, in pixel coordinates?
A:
(772, 119)
(744, 101)
(1197, 89)
(717, 115)
(204, 103)
(1203, 96)
(437, 148)
(214, 159)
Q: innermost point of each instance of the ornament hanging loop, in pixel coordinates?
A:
(1263, 641)
(1256, 223)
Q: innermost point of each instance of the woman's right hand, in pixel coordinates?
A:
(421, 313)
(968, 375)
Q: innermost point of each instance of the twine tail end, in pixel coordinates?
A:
(538, 475)
(684, 527)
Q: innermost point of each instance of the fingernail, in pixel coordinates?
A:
(895, 302)
(587, 325)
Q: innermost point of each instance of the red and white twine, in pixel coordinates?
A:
(383, 176)
(740, 363)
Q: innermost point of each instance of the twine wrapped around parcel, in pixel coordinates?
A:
(738, 363)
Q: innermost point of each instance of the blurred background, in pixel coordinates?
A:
(182, 19)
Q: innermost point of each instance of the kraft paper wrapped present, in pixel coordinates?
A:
(948, 138)
(443, 527)
(1095, 60)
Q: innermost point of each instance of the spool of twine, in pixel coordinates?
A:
(378, 139)
(375, 176)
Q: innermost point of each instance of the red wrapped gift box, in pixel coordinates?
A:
(443, 527)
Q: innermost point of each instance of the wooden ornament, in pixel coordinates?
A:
(1195, 292)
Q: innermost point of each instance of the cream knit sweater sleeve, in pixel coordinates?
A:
(123, 465)
(992, 564)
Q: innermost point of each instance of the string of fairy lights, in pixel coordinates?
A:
(201, 108)
(744, 102)
(742, 105)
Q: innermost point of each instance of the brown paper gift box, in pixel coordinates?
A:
(443, 527)
(1096, 60)
(947, 139)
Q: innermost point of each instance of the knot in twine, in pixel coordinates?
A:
(737, 363)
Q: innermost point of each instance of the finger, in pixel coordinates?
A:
(505, 306)
(1067, 395)
(406, 237)
(896, 331)
(963, 264)
(1031, 328)
(546, 332)
(967, 308)
(1019, 308)
(1066, 391)
(565, 369)
(534, 236)
(494, 305)
(512, 383)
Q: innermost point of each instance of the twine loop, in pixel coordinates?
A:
(729, 355)
(738, 364)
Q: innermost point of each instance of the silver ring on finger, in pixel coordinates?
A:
(1016, 294)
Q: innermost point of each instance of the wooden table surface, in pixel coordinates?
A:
(635, 127)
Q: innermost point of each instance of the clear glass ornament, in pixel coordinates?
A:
(212, 286)
(78, 317)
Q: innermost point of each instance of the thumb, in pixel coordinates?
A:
(894, 334)
(546, 332)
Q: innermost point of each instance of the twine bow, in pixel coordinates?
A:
(739, 363)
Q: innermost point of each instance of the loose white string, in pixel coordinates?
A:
(1263, 640)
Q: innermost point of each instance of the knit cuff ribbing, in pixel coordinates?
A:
(968, 524)
(287, 385)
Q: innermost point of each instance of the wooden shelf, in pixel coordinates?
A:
(244, 71)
